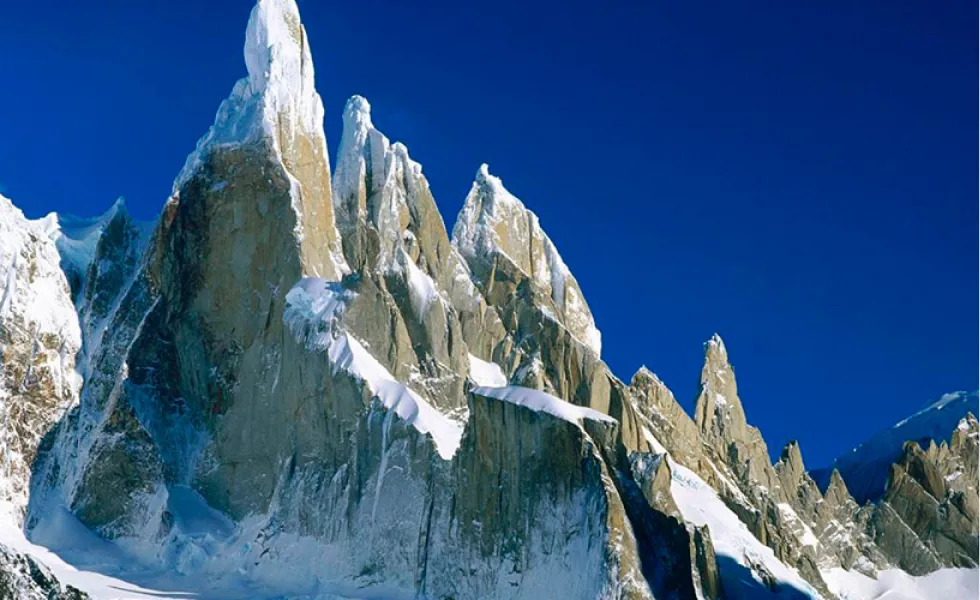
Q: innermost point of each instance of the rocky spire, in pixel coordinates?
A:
(718, 412)
(494, 225)
(378, 185)
(277, 107)
(790, 466)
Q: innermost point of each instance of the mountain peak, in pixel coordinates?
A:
(357, 113)
(495, 225)
(278, 98)
(278, 58)
(715, 351)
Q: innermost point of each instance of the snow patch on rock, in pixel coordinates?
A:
(486, 374)
(895, 584)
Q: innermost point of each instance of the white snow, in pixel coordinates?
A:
(894, 584)
(422, 289)
(539, 401)
(100, 586)
(654, 443)
(734, 544)
(314, 308)
(486, 374)
(35, 306)
(807, 538)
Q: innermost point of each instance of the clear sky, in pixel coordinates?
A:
(799, 176)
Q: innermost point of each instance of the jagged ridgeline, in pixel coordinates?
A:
(305, 379)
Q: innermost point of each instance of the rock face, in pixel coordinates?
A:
(350, 399)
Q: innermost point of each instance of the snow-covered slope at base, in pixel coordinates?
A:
(486, 374)
(539, 401)
(314, 308)
(739, 552)
(865, 468)
(83, 543)
(78, 557)
(944, 584)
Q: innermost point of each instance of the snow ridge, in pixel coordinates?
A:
(539, 401)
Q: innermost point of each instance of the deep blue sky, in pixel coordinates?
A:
(798, 176)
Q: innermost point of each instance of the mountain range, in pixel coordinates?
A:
(302, 384)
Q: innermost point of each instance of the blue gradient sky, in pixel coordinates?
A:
(798, 176)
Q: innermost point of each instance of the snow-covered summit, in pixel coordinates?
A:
(278, 98)
(276, 114)
(495, 222)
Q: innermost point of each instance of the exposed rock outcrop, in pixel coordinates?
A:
(23, 578)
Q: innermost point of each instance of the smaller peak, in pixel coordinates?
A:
(792, 455)
(485, 179)
(836, 486)
(118, 209)
(645, 373)
(715, 352)
(357, 111)
(716, 342)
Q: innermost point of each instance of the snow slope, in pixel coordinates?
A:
(741, 557)
(83, 543)
(944, 584)
(486, 374)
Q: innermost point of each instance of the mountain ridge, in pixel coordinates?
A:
(300, 355)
